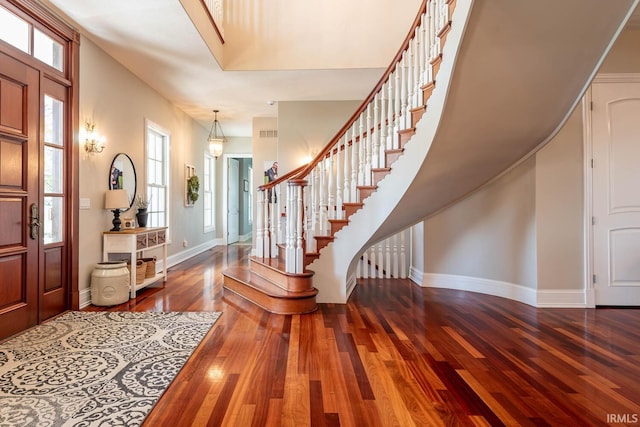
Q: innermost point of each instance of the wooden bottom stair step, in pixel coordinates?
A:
(265, 294)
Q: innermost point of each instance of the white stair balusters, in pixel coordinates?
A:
(347, 170)
(259, 251)
(331, 189)
(375, 133)
(341, 151)
(361, 150)
(273, 223)
(336, 175)
(368, 140)
(323, 217)
(386, 259)
(354, 164)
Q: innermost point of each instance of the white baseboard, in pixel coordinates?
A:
(351, 285)
(556, 298)
(416, 275)
(563, 298)
(189, 253)
(85, 298)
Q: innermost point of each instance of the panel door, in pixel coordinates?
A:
(233, 202)
(616, 199)
(19, 204)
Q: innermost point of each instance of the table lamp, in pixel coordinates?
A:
(116, 200)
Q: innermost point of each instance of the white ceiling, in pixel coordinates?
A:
(156, 40)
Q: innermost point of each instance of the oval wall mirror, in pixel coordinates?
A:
(122, 175)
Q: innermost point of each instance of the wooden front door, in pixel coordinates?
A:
(19, 195)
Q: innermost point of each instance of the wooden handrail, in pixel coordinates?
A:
(396, 59)
(282, 178)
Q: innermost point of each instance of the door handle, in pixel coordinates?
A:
(35, 221)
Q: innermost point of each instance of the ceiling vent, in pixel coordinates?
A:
(269, 133)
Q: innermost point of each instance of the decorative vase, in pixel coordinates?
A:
(142, 216)
(110, 283)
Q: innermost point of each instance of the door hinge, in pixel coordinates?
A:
(591, 163)
(594, 278)
(593, 220)
(591, 105)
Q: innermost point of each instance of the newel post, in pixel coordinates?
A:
(295, 250)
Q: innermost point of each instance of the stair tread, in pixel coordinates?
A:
(338, 221)
(380, 169)
(241, 274)
(429, 85)
(324, 237)
(278, 265)
(367, 187)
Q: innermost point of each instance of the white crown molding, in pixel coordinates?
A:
(617, 78)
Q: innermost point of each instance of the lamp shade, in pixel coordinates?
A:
(215, 146)
(116, 199)
(216, 137)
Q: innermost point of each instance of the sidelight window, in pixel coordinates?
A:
(53, 221)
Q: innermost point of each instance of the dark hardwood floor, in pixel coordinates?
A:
(395, 355)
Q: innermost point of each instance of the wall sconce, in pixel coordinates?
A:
(216, 137)
(93, 143)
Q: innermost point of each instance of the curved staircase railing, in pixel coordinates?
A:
(300, 212)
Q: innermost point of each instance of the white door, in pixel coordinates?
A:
(616, 193)
(233, 201)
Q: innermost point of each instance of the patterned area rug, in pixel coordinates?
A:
(95, 368)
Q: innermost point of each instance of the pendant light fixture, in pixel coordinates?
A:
(216, 137)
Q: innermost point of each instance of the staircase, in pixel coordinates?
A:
(508, 74)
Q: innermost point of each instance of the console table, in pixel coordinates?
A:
(133, 242)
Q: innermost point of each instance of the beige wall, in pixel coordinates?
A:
(490, 234)
(526, 228)
(624, 57)
(559, 206)
(305, 127)
(119, 103)
(259, 34)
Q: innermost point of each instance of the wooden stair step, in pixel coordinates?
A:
(416, 114)
(273, 270)
(379, 174)
(365, 191)
(427, 90)
(270, 297)
(392, 155)
(337, 224)
(322, 241)
(351, 207)
(442, 34)
(309, 257)
(405, 135)
(435, 63)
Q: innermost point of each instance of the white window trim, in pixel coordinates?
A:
(151, 125)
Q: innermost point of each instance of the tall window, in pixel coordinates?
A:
(209, 186)
(52, 223)
(157, 162)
